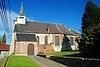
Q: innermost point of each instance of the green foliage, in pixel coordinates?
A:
(0, 41)
(90, 27)
(20, 61)
(3, 40)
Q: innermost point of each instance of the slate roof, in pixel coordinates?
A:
(4, 47)
(39, 27)
(74, 32)
(26, 37)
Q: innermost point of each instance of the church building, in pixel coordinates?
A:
(31, 38)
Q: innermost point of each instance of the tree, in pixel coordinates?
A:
(4, 38)
(0, 41)
(90, 27)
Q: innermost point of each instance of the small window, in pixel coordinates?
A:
(56, 40)
(71, 41)
(21, 17)
(46, 40)
(38, 39)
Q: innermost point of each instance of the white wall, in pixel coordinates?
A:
(5, 53)
(51, 39)
(42, 38)
(13, 37)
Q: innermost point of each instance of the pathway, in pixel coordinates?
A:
(43, 62)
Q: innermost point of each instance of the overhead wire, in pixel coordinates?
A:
(10, 30)
(4, 17)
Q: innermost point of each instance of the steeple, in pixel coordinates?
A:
(21, 18)
(22, 10)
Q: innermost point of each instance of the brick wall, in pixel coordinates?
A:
(21, 48)
(45, 48)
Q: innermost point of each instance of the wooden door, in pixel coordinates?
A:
(30, 49)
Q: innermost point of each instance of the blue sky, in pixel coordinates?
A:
(67, 12)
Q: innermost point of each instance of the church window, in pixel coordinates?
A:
(71, 41)
(38, 39)
(46, 40)
(57, 40)
(21, 17)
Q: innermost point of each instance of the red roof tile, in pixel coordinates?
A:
(4, 47)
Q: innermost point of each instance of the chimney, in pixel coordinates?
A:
(48, 28)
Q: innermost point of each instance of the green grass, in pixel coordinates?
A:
(63, 53)
(20, 61)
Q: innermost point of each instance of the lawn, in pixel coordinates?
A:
(63, 53)
(20, 61)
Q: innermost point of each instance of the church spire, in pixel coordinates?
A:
(22, 10)
(21, 18)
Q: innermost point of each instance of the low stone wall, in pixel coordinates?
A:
(77, 61)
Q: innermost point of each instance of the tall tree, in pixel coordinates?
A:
(0, 41)
(4, 38)
(90, 26)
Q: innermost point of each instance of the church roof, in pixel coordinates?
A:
(26, 37)
(39, 27)
(4, 47)
(74, 32)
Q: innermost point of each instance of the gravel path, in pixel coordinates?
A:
(43, 62)
(0, 62)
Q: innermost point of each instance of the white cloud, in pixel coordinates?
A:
(10, 22)
(13, 15)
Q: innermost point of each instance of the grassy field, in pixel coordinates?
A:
(20, 61)
(63, 53)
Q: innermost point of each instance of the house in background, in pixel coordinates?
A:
(4, 49)
(30, 38)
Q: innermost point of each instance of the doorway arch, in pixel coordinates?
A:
(30, 49)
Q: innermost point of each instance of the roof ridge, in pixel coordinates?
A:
(68, 29)
(42, 22)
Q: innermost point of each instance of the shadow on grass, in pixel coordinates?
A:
(76, 61)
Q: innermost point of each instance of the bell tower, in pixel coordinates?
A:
(21, 18)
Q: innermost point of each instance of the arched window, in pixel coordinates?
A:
(46, 40)
(57, 40)
(38, 39)
(71, 41)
